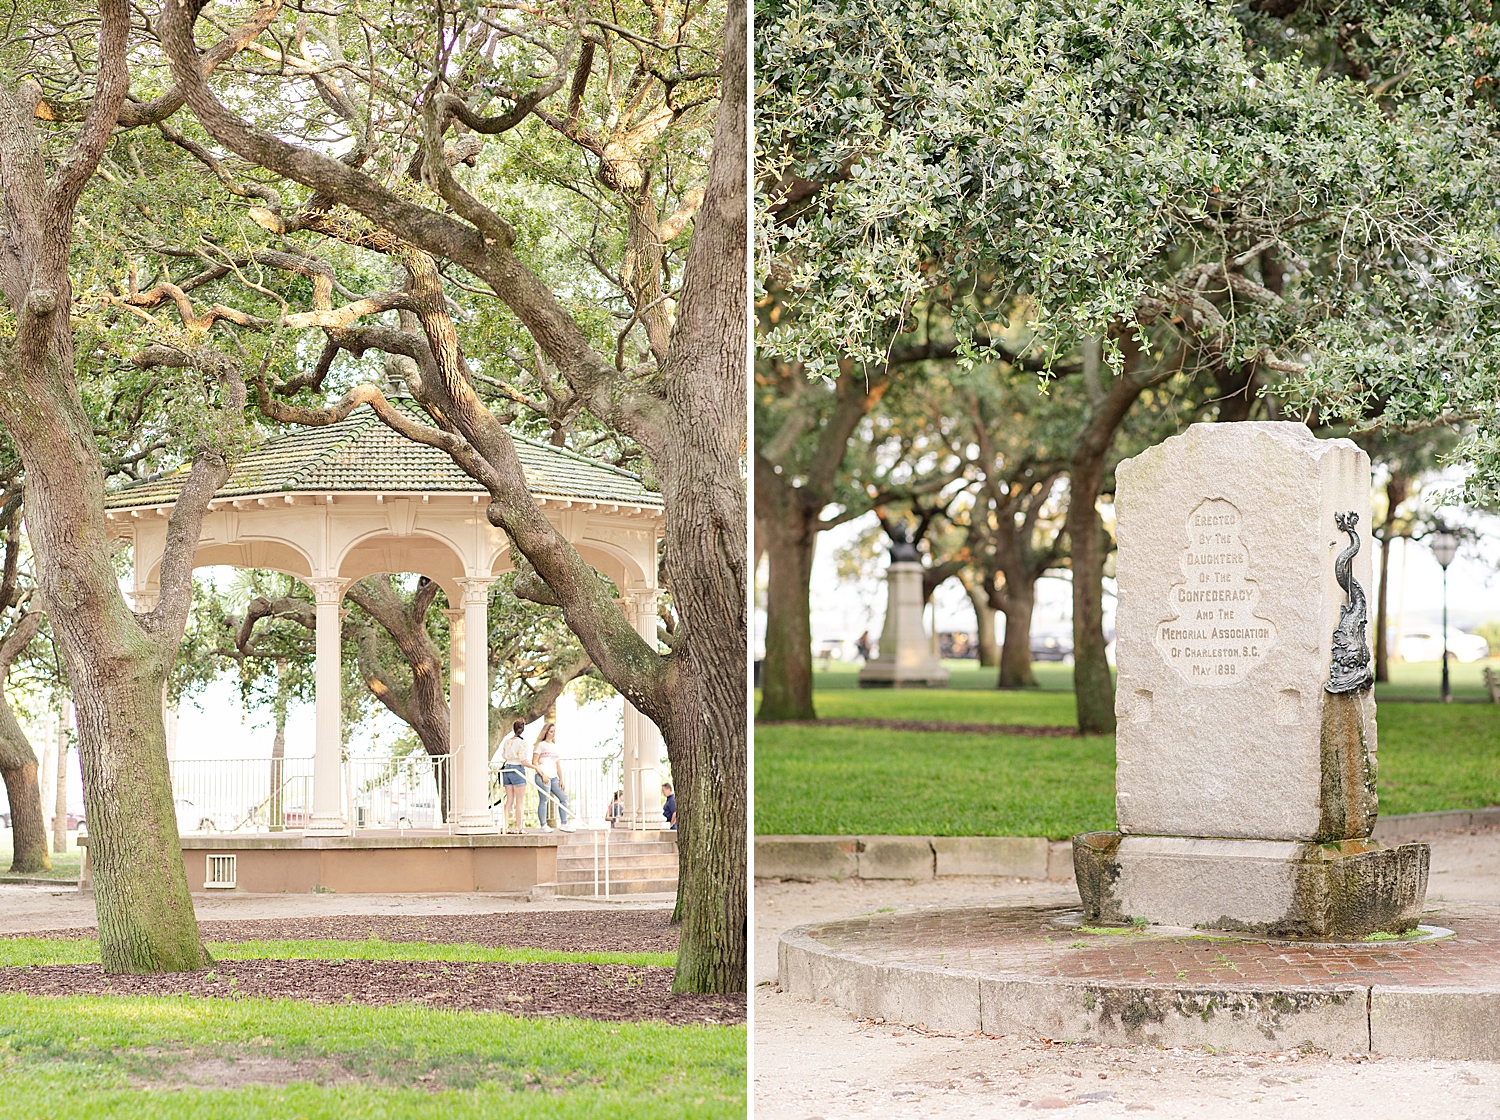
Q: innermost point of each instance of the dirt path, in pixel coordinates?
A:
(816, 1062)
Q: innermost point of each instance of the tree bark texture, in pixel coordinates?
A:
(18, 765)
(28, 825)
(789, 534)
(1016, 670)
(984, 623)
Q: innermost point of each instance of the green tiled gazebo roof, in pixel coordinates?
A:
(361, 454)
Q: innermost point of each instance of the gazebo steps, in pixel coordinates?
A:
(617, 887)
(618, 860)
(640, 862)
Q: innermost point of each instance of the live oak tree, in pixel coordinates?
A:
(825, 454)
(1161, 197)
(64, 95)
(396, 187)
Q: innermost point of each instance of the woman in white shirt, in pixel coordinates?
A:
(548, 769)
(515, 761)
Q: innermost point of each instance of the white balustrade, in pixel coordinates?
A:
(414, 793)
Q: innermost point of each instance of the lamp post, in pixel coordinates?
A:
(1444, 548)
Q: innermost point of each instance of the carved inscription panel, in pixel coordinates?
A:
(1213, 636)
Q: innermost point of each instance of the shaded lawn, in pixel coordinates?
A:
(142, 1057)
(20, 951)
(66, 866)
(852, 781)
(1032, 708)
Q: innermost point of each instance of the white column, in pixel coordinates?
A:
(642, 754)
(473, 782)
(456, 674)
(328, 785)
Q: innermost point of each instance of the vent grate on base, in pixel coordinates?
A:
(220, 873)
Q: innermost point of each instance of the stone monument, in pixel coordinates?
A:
(1246, 746)
(906, 658)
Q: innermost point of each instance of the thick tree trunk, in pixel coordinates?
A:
(18, 769)
(790, 539)
(984, 625)
(1015, 655)
(705, 538)
(1092, 685)
(28, 825)
(146, 920)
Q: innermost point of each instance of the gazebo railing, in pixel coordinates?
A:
(411, 793)
(414, 793)
(242, 794)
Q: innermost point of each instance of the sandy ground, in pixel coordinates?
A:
(28, 909)
(816, 1062)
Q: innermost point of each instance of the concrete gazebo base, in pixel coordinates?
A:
(412, 862)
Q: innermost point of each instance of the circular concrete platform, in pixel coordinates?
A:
(1039, 972)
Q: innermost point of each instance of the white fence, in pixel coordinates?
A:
(271, 795)
(242, 794)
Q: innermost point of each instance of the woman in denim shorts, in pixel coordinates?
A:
(515, 756)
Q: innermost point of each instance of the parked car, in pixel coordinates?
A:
(1051, 646)
(1427, 645)
(189, 819)
(75, 821)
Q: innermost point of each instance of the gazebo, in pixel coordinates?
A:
(331, 505)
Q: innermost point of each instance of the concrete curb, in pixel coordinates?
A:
(1009, 857)
(911, 857)
(1354, 1019)
(1446, 820)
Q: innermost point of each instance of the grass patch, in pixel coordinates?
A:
(1438, 756)
(135, 1057)
(43, 951)
(846, 781)
(852, 781)
(1029, 708)
(66, 866)
(964, 676)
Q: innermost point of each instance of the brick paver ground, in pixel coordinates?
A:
(1042, 941)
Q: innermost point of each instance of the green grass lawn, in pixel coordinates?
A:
(129, 1057)
(846, 781)
(19, 951)
(66, 866)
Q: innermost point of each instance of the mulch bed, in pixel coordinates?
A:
(933, 725)
(585, 991)
(570, 931)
